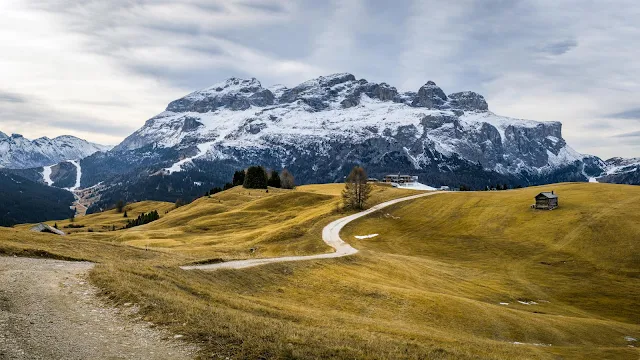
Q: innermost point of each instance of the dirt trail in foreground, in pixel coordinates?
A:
(49, 311)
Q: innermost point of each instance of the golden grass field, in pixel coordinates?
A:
(428, 286)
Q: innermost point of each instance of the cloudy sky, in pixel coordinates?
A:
(99, 69)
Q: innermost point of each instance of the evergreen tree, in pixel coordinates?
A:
(255, 178)
(238, 178)
(55, 225)
(119, 206)
(356, 189)
(215, 190)
(125, 214)
(143, 219)
(287, 181)
(228, 186)
(274, 180)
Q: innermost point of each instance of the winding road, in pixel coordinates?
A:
(330, 235)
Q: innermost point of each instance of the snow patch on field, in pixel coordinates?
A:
(534, 344)
(416, 186)
(527, 302)
(360, 237)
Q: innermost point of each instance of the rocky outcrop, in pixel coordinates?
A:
(430, 96)
(468, 101)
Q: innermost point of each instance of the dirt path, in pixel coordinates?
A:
(49, 311)
(330, 235)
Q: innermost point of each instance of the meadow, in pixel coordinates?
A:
(475, 275)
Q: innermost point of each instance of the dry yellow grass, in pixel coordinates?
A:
(429, 286)
(241, 223)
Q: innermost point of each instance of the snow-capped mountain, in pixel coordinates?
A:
(322, 127)
(17, 152)
(621, 171)
(238, 117)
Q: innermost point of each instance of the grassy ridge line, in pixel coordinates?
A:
(330, 235)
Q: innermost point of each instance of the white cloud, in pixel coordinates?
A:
(80, 67)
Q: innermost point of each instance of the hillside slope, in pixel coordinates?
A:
(23, 200)
(458, 275)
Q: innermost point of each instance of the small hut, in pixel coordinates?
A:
(44, 228)
(546, 201)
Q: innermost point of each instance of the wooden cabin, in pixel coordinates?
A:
(44, 228)
(546, 201)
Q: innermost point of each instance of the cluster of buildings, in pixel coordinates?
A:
(400, 179)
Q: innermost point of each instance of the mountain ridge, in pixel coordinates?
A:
(18, 152)
(191, 120)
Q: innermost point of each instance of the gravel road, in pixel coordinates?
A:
(49, 311)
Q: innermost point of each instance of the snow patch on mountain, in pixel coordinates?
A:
(202, 150)
(75, 187)
(46, 175)
(619, 165)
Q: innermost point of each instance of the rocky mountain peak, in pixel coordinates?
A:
(3, 136)
(430, 96)
(233, 93)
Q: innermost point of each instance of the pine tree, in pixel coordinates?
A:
(274, 180)
(125, 214)
(255, 178)
(287, 181)
(238, 178)
(119, 206)
(356, 189)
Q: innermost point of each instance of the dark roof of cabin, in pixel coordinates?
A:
(548, 195)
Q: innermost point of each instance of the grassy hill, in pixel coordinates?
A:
(105, 221)
(234, 224)
(430, 285)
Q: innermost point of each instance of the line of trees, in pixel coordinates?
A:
(256, 177)
(143, 219)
